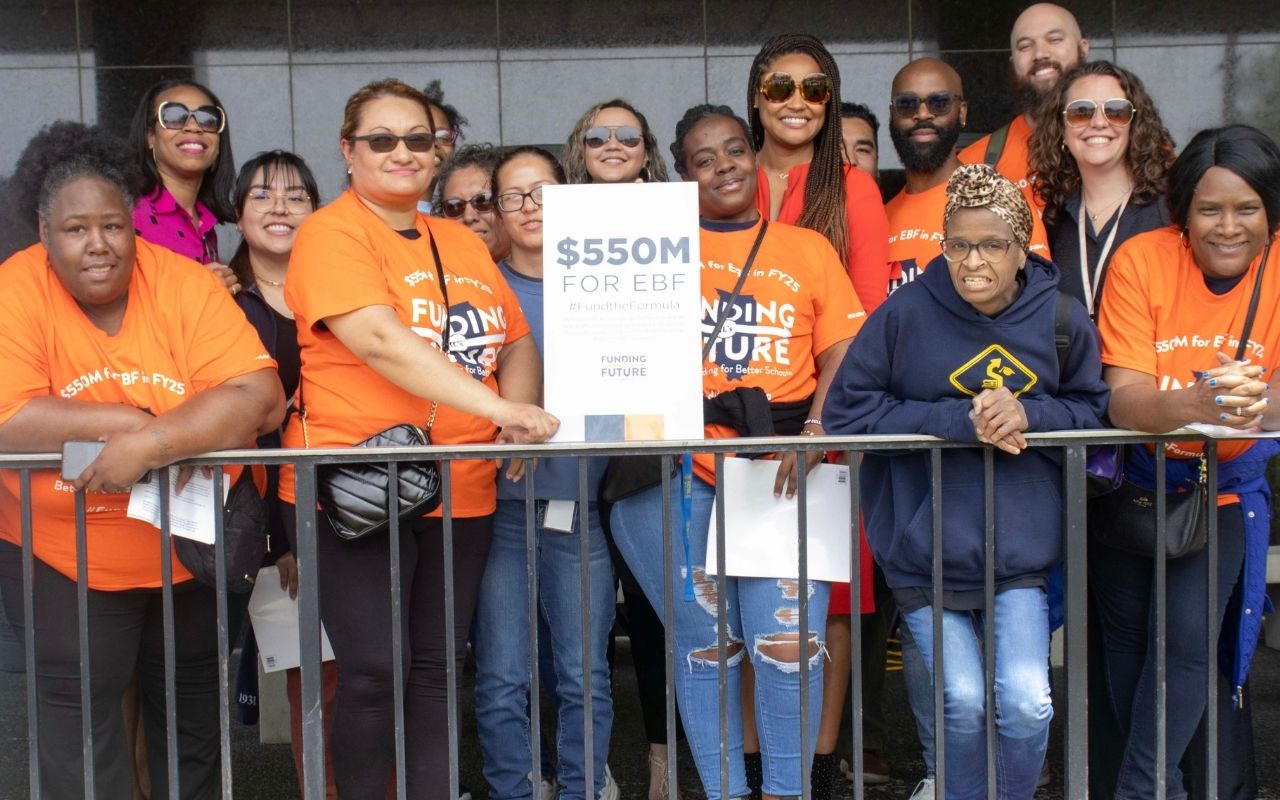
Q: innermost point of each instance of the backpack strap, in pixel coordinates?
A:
(1062, 329)
(995, 146)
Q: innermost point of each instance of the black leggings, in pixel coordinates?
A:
(355, 606)
(126, 638)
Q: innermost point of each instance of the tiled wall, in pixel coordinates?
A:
(522, 71)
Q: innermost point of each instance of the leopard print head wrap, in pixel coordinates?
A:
(980, 186)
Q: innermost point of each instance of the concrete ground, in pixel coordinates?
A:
(265, 772)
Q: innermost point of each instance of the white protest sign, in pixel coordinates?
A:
(622, 311)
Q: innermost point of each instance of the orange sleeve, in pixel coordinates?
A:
(24, 371)
(838, 315)
(1125, 322)
(334, 269)
(976, 152)
(218, 341)
(868, 257)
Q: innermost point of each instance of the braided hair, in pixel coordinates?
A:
(824, 191)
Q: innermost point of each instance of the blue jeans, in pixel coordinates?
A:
(501, 643)
(762, 611)
(1023, 705)
(919, 694)
(1122, 588)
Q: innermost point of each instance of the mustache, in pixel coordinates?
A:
(1045, 62)
(926, 126)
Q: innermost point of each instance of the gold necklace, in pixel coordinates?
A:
(267, 281)
(1109, 206)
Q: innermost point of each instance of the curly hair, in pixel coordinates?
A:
(219, 179)
(60, 153)
(272, 163)
(692, 117)
(1149, 156)
(484, 157)
(573, 156)
(824, 191)
(453, 118)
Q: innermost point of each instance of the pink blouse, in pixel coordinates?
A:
(159, 219)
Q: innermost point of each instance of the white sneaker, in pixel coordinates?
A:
(924, 790)
(548, 790)
(610, 790)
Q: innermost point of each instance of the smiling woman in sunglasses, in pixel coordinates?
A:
(402, 318)
(612, 143)
(793, 105)
(1102, 157)
(466, 195)
(181, 141)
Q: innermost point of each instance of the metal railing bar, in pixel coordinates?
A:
(1075, 580)
(86, 657)
(450, 625)
(802, 594)
(313, 756)
(939, 719)
(722, 626)
(855, 626)
(1159, 587)
(170, 648)
(29, 622)
(531, 597)
(989, 611)
(584, 575)
(1213, 619)
(397, 626)
(224, 643)
(669, 625)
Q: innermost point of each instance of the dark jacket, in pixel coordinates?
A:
(914, 368)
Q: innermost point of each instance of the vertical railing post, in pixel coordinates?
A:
(397, 625)
(313, 771)
(669, 624)
(531, 574)
(722, 627)
(1075, 633)
(170, 652)
(82, 608)
(1213, 621)
(1159, 589)
(450, 624)
(939, 703)
(855, 627)
(802, 594)
(224, 645)
(584, 575)
(989, 612)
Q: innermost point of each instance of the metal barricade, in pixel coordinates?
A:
(1071, 444)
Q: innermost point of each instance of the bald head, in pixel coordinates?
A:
(1045, 42)
(937, 74)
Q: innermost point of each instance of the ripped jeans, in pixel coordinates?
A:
(763, 612)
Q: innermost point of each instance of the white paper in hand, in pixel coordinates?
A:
(191, 514)
(762, 531)
(275, 624)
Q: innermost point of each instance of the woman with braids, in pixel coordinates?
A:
(612, 143)
(182, 145)
(110, 338)
(987, 304)
(712, 147)
(793, 105)
(1102, 157)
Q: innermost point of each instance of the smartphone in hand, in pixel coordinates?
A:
(77, 456)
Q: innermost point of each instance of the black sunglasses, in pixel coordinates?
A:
(938, 103)
(174, 116)
(455, 208)
(386, 142)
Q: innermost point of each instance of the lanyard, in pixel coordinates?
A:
(1091, 285)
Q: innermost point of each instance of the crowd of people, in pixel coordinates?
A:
(1072, 270)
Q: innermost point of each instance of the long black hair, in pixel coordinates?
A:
(1242, 149)
(219, 179)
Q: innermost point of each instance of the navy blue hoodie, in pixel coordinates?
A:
(915, 367)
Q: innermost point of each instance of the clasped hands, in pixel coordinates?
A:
(999, 420)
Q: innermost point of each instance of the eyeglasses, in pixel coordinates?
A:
(990, 250)
(447, 136)
(1117, 111)
(174, 116)
(626, 135)
(386, 142)
(264, 201)
(779, 86)
(514, 201)
(482, 203)
(938, 103)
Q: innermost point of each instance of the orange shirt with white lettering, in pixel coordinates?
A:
(1158, 317)
(796, 302)
(182, 333)
(346, 259)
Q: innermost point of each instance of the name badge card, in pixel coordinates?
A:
(622, 311)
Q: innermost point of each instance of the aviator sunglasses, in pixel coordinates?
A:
(1117, 111)
(482, 203)
(173, 116)
(626, 135)
(386, 142)
(779, 86)
(938, 103)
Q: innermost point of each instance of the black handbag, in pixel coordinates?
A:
(628, 475)
(355, 496)
(244, 531)
(1125, 519)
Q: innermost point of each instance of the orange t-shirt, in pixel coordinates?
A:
(345, 259)
(867, 262)
(1014, 165)
(915, 233)
(796, 303)
(1158, 317)
(182, 333)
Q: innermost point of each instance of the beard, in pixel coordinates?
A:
(928, 156)
(1027, 95)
